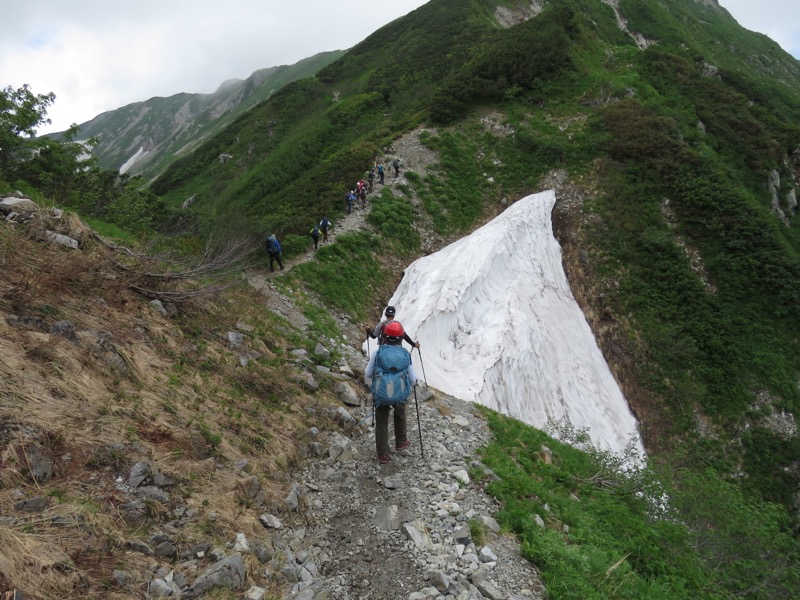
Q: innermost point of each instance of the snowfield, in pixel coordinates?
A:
(499, 325)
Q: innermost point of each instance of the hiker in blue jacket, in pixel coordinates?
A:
(392, 340)
(378, 329)
(273, 247)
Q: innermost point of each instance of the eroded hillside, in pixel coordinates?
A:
(130, 429)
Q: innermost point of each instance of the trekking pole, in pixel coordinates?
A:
(373, 400)
(422, 364)
(419, 424)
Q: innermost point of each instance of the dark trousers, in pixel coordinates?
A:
(381, 174)
(316, 240)
(382, 426)
(272, 259)
(324, 231)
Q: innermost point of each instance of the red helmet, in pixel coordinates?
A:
(393, 329)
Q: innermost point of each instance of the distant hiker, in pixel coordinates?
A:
(315, 235)
(274, 251)
(377, 331)
(323, 227)
(396, 165)
(371, 178)
(380, 173)
(361, 186)
(350, 197)
(391, 379)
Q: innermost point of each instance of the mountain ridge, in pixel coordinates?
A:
(143, 137)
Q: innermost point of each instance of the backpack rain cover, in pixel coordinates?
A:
(390, 382)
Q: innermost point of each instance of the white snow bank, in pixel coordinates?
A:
(140, 154)
(499, 326)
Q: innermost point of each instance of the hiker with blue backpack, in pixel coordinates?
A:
(391, 378)
(379, 328)
(273, 247)
(315, 235)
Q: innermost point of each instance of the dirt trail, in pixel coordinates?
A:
(414, 157)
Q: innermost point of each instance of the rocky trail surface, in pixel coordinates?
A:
(401, 530)
(359, 530)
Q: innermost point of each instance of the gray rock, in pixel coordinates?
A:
(490, 523)
(32, 505)
(416, 532)
(229, 572)
(235, 339)
(347, 394)
(153, 493)
(166, 549)
(62, 239)
(490, 591)
(255, 593)
(270, 521)
(158, 307)
(139, 473)
(158, 588)
(140, 547)
(293, 499)
(462, 535)
(22, 206)
(487, 555)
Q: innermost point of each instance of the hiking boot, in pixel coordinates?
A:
(402, 445)
(383, 458)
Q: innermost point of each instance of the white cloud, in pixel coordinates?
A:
(777, 19)
(98, 56)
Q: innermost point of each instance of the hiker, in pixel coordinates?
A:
(378, 330)
(371, 178)
(350, 197)
(315, 235)
(391, 379)
(380, 173)
(362, 192)
(274, 252)
(396, 165)
(323, 227)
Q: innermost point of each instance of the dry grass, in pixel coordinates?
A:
(170, 390)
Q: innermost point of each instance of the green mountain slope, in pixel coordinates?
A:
(144, 137)
(671, 119)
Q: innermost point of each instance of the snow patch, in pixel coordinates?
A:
(140, 154)
(499, 326)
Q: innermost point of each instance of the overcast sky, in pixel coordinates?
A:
(97, 55)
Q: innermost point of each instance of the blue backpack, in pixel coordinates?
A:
(273, 246)
(390, 382)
